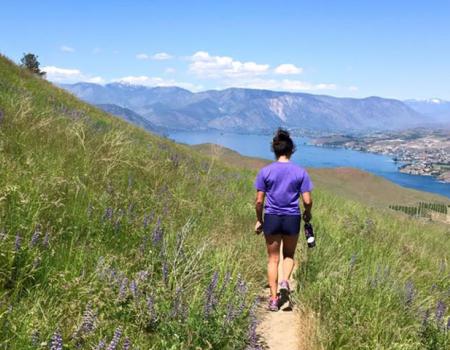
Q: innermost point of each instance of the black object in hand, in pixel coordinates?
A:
(309, 234)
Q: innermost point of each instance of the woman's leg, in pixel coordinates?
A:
(289, 246)
(273, 249)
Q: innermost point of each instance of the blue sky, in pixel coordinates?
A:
(398, 49)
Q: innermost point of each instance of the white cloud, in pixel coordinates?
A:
(96, 50)
(283, 85)
(145, 80)
(170, 70)
(69, 75)
(160, 56)
(67, 49)
(288, 68)
(353, 88)
(206, 66)
(142, 56)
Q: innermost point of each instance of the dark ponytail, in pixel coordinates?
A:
(282, 144)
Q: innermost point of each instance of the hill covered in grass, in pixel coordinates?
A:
(110, 234)
(114, 237)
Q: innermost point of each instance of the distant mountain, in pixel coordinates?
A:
(248, 110)
(130, 116)
(437, 109)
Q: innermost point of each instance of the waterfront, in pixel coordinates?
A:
(319, 157)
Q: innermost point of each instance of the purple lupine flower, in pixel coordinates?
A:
(252, 334)
(409, 293)
(115, 340)
(101, 345)
(440, 311)
(35, 237)
(89, 318)
(126, 344)
(18, 242)
(157, 233)
(230, 313)
(35, 337)
(241, 287)
(178, 309)
(142, 275)
(57, 342)
(46, 240)
(210, 297)
(123, 289)
(165, 272)
(108, 214)
(151, 310)
(225, 283)
(448, 323)
(134, 288)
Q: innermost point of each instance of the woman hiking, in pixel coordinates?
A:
(279, 186)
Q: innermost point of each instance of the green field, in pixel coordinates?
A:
(111, 234)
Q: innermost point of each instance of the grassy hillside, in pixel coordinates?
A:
(110, 235)
(347, 183)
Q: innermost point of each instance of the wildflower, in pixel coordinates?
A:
(142, 275)
(157, 233)
(225, 283)
(123, 289)
(409, 293)
(18, 242)
(57, 343)
(448, 323)
(108, 214)
(151, 310)
(134, 288)
(252, 335)
(46, 240)
(178, 309)
(211, 300)
(35, 337)
(35, 237)
(101, 344)
(89, 317)
(165, 273)
(127, 344)
(89, 210)
(229, 317)
(115, 340)
(440, 311)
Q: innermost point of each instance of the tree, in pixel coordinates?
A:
(30, 61)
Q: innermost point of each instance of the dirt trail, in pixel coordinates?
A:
(286, 329)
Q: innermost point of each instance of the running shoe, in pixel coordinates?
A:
(284, 286)
(273, 304)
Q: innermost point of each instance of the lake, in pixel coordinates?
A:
(318, 157)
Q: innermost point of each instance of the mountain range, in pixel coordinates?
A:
(249, 110)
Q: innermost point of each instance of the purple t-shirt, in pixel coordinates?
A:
(283, 182)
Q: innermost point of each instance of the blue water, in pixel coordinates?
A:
(319, 157)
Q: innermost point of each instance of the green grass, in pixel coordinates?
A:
(113, 209)
(102, 221)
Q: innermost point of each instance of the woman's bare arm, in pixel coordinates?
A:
(259, 204)
(307, 204)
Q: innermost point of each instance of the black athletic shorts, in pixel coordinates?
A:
(281, 224)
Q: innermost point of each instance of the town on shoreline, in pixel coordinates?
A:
(418, 151)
